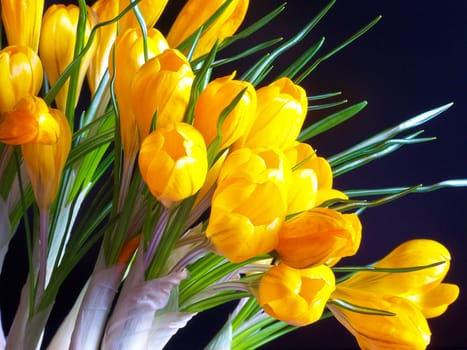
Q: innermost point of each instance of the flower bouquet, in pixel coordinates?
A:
(194, 187)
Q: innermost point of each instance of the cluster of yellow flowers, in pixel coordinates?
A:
(233, 148)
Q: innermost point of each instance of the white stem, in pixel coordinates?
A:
(92, 316)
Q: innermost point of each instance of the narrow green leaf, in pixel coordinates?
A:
(331, 121)
(302, 60)
(360, 309)
(392, 190)
(393, 131)
(371, 268)
(326, 105)
(256, 73)
(336, 49)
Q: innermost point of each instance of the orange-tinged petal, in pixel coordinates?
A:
(45, 163)
(20, 73)
(318, 236)
(196, 12)
(297, 297)
(30, 122)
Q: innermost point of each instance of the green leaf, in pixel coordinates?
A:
(331, 121)
(371, 268)
(359, 309)
(391, 132)
(336, 49)
(454, 183)
(255, 74)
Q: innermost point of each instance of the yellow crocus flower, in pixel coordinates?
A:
(151, 10)
(45, 163)
(22, 21)
(312, 179)
(129, 57)
(29, 122)
(196, 12)
(217, 95)
(297, 297)
(249, 204)
(164, 84)
(20, 73)
(406, 330)
(173, 162)
(57, 45)
(282, 108)
(318, 236)
(103, 10)
(422, 287)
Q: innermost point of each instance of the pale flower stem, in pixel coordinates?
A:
(5, 156)
(156, 237)
(43, 245)
(193, 255)
(200, 207)
(127, 171)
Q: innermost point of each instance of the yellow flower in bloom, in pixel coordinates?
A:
(22, 21)
(103, 10)
(20, 74)
(151, 10)
(297, 297)
(217, 95)
(249, 204)
(196, 12)
(257, 165)
(311, 182)
(44, 163)
(422, 287)
(164, 84)
(406, 330)
(129, 57)
(29, 122)
(318, 236)
(173, 162)
(57, 45)
(282, 108)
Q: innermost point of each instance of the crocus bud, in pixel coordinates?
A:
(422, 287)
(173, 162)
(164, 84)
(151, 10)
(196, 12)
(103, 10)
(44, 163)
(20, 73)
(407, 329)
(29, 122)
(57, 45)
(22, 22)
(217, 95)
(129, 57)
(297, 297)
(248, 205)
(282, 108)
(318, 236)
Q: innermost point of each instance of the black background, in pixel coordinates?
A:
(412, 61)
